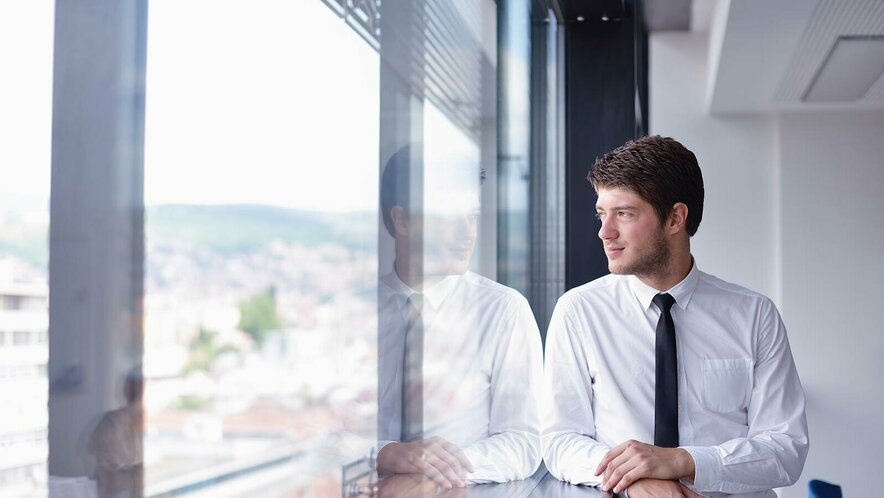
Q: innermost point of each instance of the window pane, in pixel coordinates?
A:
(261, 248)
(25, 125)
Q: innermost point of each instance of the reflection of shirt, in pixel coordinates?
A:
(741, 404)
(481, 371)
(117, 446)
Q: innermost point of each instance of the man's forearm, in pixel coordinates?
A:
(503, 457)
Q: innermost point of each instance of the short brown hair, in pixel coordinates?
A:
(660, 170)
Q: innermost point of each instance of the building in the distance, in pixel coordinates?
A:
(24, 353)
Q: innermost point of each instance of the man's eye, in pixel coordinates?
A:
(598, 216)
(624, 214)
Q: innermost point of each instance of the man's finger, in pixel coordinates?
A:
(627, 480)
(443, 468)
(688, 492)
(452, 463)
(432, 472)
(612, 480)
(614, 453)
(459, 454)
(615, 464)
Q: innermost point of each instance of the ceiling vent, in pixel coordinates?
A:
(853, 65)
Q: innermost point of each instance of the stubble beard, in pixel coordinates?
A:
(654, 262)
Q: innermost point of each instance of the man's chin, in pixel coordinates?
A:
(448, 268)
(618, 269)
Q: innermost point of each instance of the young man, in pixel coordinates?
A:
(459, 355)
(662, 380)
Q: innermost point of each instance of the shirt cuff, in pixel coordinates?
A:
(707, 468)
(483, 471)
(582, 472)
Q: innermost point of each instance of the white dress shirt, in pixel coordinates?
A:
(740, 402)
(482, 372)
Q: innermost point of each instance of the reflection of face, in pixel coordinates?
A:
(634, 239)
(450, 232)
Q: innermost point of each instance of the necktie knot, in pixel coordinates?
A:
(664, 302)
(416, 300)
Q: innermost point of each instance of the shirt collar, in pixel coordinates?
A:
(434, 294)
(682, 291)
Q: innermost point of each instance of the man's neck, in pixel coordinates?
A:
(676, 271)
(412, 278)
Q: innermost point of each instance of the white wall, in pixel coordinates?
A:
(833, 270)
(736, 240)
(794, 209)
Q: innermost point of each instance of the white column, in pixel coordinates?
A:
(96, 232)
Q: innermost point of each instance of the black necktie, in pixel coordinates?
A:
(412, 371)
(666, 397)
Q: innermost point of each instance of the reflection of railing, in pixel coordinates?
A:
(362, 15)
(359, 477)
(199, 480)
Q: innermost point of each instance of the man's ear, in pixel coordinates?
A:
(400, 221)
(678, 218)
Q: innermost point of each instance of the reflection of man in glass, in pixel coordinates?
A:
(459, 355)
(117, 444)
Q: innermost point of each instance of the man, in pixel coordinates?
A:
(663, 380)
(459, 355)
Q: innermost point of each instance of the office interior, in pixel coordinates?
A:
(191, 235)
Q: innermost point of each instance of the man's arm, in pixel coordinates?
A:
(436, 458)
(658, 488)
(570, 449)
(512, 450)
(771, 455)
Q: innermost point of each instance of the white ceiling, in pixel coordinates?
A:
(766, 54)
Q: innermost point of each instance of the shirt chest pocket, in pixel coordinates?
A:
(726, 384)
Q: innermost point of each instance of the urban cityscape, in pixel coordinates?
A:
(259, 347)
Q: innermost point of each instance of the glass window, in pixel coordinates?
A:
(247, 221)
(21, 338)
(260, 305)
(26, 50)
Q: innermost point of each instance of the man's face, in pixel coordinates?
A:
(450, 233)
(634, 239)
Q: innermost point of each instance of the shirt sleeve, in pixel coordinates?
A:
(570, 449)
(773, 452)
(512, 450)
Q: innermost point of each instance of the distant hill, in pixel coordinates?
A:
(25, 236)
(222, 228)
(241, 227)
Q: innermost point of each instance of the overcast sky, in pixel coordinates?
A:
(258, 101)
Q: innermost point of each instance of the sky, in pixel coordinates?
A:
(260, 101)
(25, 102)
(247, 101)
(270, 102)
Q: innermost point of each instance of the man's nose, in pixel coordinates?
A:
(463, 224)
(607, 231)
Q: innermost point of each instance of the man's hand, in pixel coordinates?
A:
(660, 488)
(406, 486)
(415, 486)
(633, 460)
(436, 458)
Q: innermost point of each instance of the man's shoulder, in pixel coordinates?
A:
(489, 288)
(729, 290)
(603, 287)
